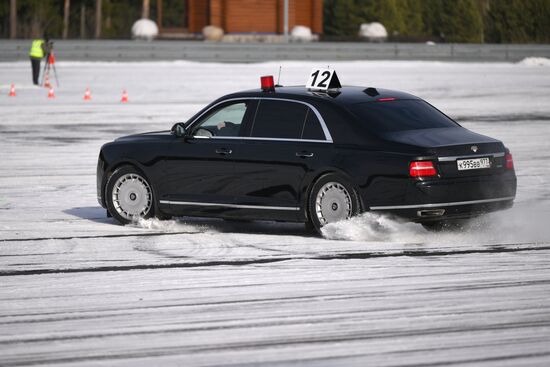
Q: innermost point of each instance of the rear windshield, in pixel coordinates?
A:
(398, 115)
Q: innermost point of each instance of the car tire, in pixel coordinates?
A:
(129, 195)
(331, 199)
(162, 216)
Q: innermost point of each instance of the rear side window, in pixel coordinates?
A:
(286, 120)
(408, 114)
(279, 119)
(312, 127)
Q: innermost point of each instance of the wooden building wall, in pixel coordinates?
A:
(198, 16)
(254, 16)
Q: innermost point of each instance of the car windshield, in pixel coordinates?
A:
(399, 115)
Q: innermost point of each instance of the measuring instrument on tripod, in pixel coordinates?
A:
(49, 65)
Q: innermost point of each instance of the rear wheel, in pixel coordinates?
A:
(129, 196)
(332, 199)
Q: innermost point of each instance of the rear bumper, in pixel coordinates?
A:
(453, 198)
(449, 210)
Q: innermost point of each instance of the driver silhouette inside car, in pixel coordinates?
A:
(227, 128)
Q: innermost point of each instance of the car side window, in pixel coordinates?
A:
(225, 121)
(279, 119)
(312, 127)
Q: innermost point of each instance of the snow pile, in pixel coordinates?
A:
(535, 61)
(212, 33)
(145, 29)
(373, 31)
(301, 33)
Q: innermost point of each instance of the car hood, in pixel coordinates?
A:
(152, 135)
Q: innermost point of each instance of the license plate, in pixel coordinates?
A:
(474, 163)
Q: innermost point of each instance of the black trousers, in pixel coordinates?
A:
(35, 63)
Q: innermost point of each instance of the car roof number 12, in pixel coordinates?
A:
(322, 79)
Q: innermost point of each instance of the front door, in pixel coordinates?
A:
(200, 170)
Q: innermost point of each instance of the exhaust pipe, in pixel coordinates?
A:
(428, 213)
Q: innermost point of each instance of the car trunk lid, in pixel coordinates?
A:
(454, 144)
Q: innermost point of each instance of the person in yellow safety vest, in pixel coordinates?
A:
(39, 49)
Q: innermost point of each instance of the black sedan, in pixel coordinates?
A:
(292, 154)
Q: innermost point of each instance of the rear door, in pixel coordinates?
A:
(285, 141)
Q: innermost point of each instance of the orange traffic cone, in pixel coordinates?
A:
(12, 91)
(47, 82)
(124, 98)
(87, 95)
(51, 93)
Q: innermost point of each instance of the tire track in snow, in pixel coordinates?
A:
(258, 261)
(154, 234)
(335, 337)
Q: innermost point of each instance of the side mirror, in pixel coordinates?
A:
(178, 129)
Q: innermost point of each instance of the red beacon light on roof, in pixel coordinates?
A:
(268, 84)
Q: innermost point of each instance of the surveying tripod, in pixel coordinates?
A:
(50, 64)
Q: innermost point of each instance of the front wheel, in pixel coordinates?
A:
(129, 196)
(332, 199)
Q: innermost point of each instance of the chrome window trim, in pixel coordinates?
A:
(454, 158)
(261, 139)
(438, 205)
(237, 206)
(328, 137)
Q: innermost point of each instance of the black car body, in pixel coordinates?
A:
(273, 147)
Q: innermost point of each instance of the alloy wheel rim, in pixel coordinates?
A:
(132, 196)
(333, 203)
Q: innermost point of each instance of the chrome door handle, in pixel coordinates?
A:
(224, 151)
(304, 154)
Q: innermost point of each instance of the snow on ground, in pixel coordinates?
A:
(77, 288)
(535, 61)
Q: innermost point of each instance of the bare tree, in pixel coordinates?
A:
(13, 19)
(98, 20)
(146, 6)
(82, 20)
(66, 12)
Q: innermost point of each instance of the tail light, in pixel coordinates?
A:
(422, 169)
(509, 161)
